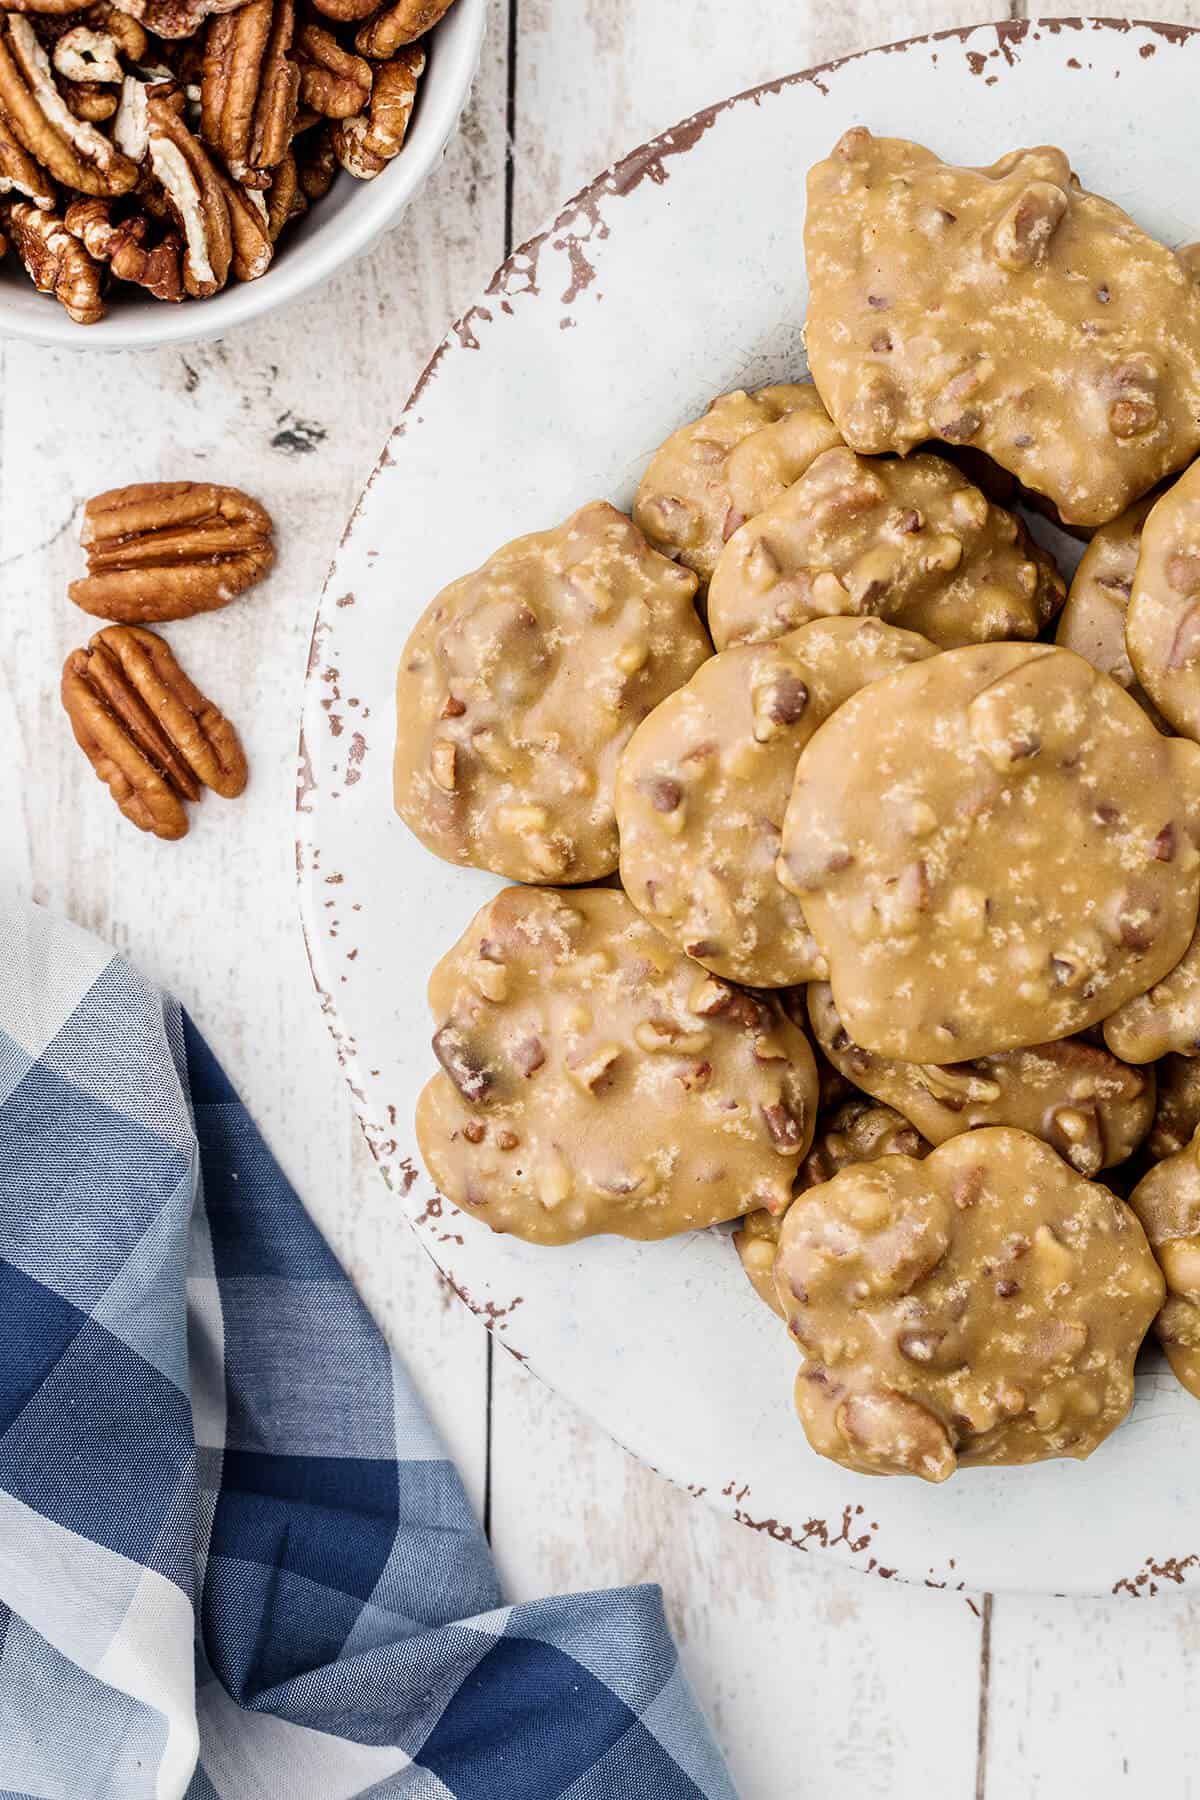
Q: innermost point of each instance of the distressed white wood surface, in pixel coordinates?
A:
(821, 1683)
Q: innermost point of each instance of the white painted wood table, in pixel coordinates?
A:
(821, 1683)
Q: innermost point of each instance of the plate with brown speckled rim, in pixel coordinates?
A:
(676, 275)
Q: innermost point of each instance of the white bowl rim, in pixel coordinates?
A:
(149, 324)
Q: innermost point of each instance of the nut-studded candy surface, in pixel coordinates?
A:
(1076, 1096)
(703, 785)
(982, 1306)
(1177, 1109)
(167, 549)
(1162, 625)
(1092, 623)
(596, 1080)
(951, 302)
(1165, 1019)
(992, 848)
(856, 1132)
(719, 470)
(913, 542)
(520, 686)
(1167, 1201)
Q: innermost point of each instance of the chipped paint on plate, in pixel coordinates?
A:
(678, 274)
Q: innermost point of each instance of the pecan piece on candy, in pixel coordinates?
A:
(121, 242)
(168, 549)
(398, 24)
(250, 88)
(366, 144)
(57, 263)
(196, 194)
(69, 149)
(333, 81)
(147, 730)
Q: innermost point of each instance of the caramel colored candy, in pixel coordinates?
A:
(1167, 1201)
(982, 1306)
(913, 542)
(993, 849)
(703, 785)
(724, 467)
(1004, 308)
(1077, 1097)
(855, 1132)
(1177, 1108)
(1162, 626)
(596, 1080)
(1092, 623)
(519, 688)
(1165, 1019)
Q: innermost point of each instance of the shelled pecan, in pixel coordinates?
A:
(167, 549)
(366, 144)
(69, 149)
(130, 242)
(147, 730)
(89, 100)
(250, 229)
(56, 262)
(286, 199)
(250, 88)
(196, 194)
(333, 81)
(19, 173)
(316, 162)
(401, 23)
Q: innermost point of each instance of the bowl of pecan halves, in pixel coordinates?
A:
(235, 152)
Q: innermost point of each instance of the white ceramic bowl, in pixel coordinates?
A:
(351, 217)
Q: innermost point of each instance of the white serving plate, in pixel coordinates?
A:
(676, 275)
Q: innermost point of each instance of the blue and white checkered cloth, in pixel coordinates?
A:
(235, 1563)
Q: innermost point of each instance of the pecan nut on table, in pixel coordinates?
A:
(166, 144)
(147, 730)
(159, 551)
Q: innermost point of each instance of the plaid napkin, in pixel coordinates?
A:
(235, 1563)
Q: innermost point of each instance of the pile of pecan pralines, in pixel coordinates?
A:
(168, 142)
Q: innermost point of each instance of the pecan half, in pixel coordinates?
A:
(168, 549)
(333, 81)
(46, 9)
(316, 162)
(89, 100)
(250, 88)
(250, 225)
(147, 730)
(69, 149)
(57, 263)
(196, 195)
(83, 54)
(366, 144)
(286, 199)
(177, 18)
(19, 173)
(400, 23)
(134, 248)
